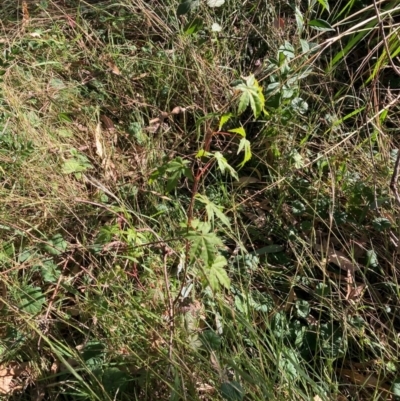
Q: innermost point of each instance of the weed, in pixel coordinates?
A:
(199, 200)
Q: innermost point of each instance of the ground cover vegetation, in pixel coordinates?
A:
(198, 200)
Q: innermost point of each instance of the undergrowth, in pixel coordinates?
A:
(196, 200)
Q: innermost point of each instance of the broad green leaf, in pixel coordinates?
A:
(332, 342)
(25, 255)
(305, 47)
(320, 25)
(381, 223)
(287, 50)
(213, 210)
(297, 158)
(31, 299)
(56, 245)
(396, 387)
(93, 354)
(204, 246)
(289, 363)
(186, 6)
(203, 226)
(71, 166)
(302, 308)
(239, 131)
(224, 119)
(217, 275)
(49, 272)
(299, 105)
(322, 289)
(176, 169)
(245, 144)
(250, 80)
(114, 381)
(211, 340)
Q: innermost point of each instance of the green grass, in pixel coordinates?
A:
(145, 255)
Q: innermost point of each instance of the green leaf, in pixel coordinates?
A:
(204, 246)
(244, 100)
(245, 144)
(322, 289)
(299, 20)
(289, 362)
(186, 6)
(252, 94)
(320, 25)
(203, 153)
(297, 158)
(175, 170)
(93, 354)
(303, 308)
(223, 165)
(56, 245)
(324, 4)
(239, 131)
(396, 387)
(372, 258)
(299, 105)
(224, 119)
(49, 272)
(305, 47)
(217, 275)
(114, 381)
(331, 340)
(287, 50)
(194, 26)
(211, 340)
(381, 224)
(232, 391)
(71, 166)
(31, 299)
(279, 325)
(213, 210)
(268, 249)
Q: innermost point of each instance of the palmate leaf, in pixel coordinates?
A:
(223, 165)
(217, 275)
(174, 170)
(245, 144)
(204, 246)
(224, 119)
(31, 299)
(213, 210)
(252, 95)
(244, 98)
